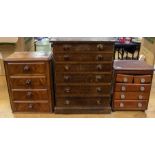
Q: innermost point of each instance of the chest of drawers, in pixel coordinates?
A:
(83, 76)
(132, 85)
(29, 81)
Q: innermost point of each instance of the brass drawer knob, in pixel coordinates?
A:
(66, 67)
(99, 57)
(125, 79)
(29, 94)
(66, 78)
(67, 102)
(142, 88)
(140, 105)
(30, 106)
(98, 102)
(26, 68)
(99, 67)
(122, 96)
(123, 88)
(100, 47)
(66, 57)
(121, 105)
(67, 90)
(98, 77)
(140, 97)
(99, 89)
(28, 82)
(142, 80)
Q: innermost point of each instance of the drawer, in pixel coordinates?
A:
(78, 101)
(23, 95)
(142, 79)
(83, 77)
(31, 107)
(26, 68)
(121, 87)
(28, 82)
(84, 56)
(130, 105)
(131, 95)
(85, 90)
(90, 67)
(124, 78)
(68, 47)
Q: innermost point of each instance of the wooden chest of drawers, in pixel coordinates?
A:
(83, 76)
(132, 85)
(29, 81)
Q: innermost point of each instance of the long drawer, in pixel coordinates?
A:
(31, 82)
(85, 67)
(83, 77)
(120, 87)
(66, 90)
(83, 101)
(131, 95)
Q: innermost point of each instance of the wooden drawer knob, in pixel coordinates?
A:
(28, 82)
(122, 96)
(99, 67)
(98, 102)
(121, 105)
(98, 77)
(140, 105)
(66, 57)
(66, 67)
(100, 47)
(67, 90)
(142, 88)
(99, 57)
(67, 102)
(140, 97)
(99, 89)
(125, 79)
(26, 68)
(66, 47)
(142, 80)
(123, 88)
(66, 78)
(30, 106)
(29, 94)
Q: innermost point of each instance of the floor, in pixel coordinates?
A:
(5, 109)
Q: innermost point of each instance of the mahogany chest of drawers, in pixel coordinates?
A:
(83, 75)
(29, 81)
(132, 85)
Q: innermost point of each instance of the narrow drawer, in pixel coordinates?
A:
(84, 56)
(24, 95)
(131, 95)
(31, 107)
(85, 90)
(26, 68)
(130, 105)
(124, 78)
(121, 87)
(77, 101)
(82, 78)
(91, 67)
(29, 82)
(142, 79)
(72, 47)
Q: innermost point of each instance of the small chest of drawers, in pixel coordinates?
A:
(132, 85)
(29, 81)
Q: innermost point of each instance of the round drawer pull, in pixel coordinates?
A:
(29, 94)
(26, 68)
(140, 97)
(122, 96)
(67, 102)
(123, 88)
(99, 89)
(66, 78)
(30, 106)
(99, 67)
(98, 102)
(28, 82)
(140, 105)
(67, 90)
(98, 77)
(99, 57)
(100, 47)
(66, 67)
(142, 88)
(121, 105)
(125, 79)
(66, 47)
(142, 80)
(66, 57)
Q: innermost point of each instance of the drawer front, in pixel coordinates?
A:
(121, 87)
(124, 78)
(85, 90)
(130, 105)
(28, 82)
(68, 47)
(70, 57)
(77, 101)
(143, 79)
(31, 107)
(82, 78)
(83, 67)
(131, 95)
(30, 95)
(26, 68)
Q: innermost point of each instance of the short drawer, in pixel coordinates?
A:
(91, 67)
(130, 105)
(77, 101)
(84, 56)
(26, 68)
(131, 95)
(142, 79)
(85, 90)
(31, 107)
(23, 95)
(123, 87)
(29, 82)
(72, 47)
(82, 78)
(124, 78)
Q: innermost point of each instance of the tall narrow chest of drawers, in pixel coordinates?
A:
(83, 75)
(132, 85)
(29, 81)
